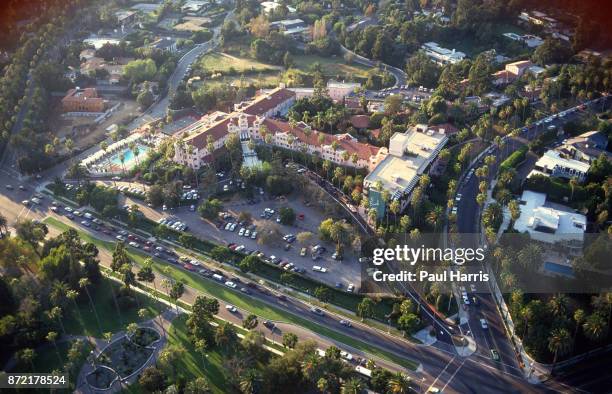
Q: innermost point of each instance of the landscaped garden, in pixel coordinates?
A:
(124, 356)
(101, 378)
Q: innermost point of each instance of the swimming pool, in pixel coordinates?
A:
(129, 155)
(559, 269)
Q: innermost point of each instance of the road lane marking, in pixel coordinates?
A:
(453, 375)
(441, 372)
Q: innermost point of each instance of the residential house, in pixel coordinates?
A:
(586, 147)
(555, 163)
(442, 55)
(551, 224)
(83, 100)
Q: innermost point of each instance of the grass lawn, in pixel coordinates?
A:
(105, 306)
(224, 63)
(332, 66)
(264, 80)
(244, 302)
(191, 365)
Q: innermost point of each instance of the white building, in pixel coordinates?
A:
(442, 55)
(552, 225)
(410, 154)
(554, 163)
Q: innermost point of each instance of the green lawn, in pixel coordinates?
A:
(110, 321)
(224, 63)
(244, 302)
(332, 66)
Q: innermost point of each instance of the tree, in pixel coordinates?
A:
(286, 215)
(176, 292)
(323, 293)
(595, 327)
(409, 322)
(209, 209)
(399, 384)
(248, 263)
(225, 334)
(27, 356)
(140, 70)
(290, 340)
(559, 343)
(198, 386)
(52, 337)
(259, 26)
(365, 308)
(352, 386)
(146, 274)
(84, 284)
(145, 99)
(152, 379)
(250, 322)
(393, 104)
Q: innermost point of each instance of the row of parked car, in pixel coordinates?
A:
(133, 190)
(173, 223)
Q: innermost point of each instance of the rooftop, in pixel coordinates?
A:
(266, 102)
(549, 224)
(553, 158)
(409, 155)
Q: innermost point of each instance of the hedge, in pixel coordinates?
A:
(514, 159)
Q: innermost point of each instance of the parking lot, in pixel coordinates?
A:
(339, 273)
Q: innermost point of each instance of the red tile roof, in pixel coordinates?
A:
(345, 141)
(266, 102)
(360, 121)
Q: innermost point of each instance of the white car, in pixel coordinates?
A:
(350, 288)
(318, 268)
(231, 308)
(483, 324)
(134, 244)
(254, 235)
(230, 284)
(241, 232)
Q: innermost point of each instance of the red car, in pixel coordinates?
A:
(301, 216)
(188, 267)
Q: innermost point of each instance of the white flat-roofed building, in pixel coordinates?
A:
(554, 163)
(409, 156)
(550, 224)
(442, 55)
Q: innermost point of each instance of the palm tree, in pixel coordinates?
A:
(122, 160)
(83, 284)
(290, 141)
(573, 182)
(579, 317)
(146, 274)
(595, 327)
(52, 337)
(56, 314)
(250, 382)
(27, 356)
(434, 217)
(72, 296)
(559, 343)
(399, 384)
(352, 386)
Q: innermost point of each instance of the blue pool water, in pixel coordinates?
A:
(129, 155)
(559, 269)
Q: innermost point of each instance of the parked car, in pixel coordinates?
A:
(231, 308)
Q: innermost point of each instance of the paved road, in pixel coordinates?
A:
(468, 222)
